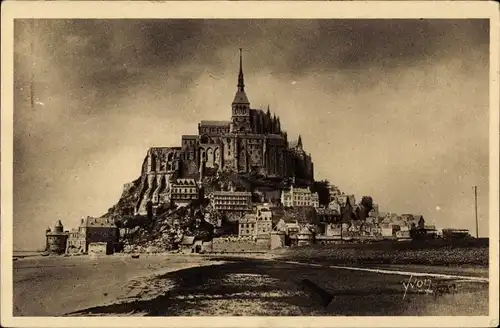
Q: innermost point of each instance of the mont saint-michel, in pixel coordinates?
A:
(229, 177)
(241, 189)
(249, 168)
(252, 141)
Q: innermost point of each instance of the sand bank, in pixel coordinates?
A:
(53, 286)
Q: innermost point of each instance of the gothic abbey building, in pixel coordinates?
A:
(252, 141)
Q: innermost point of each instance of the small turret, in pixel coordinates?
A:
(59, 226)
(56, 240)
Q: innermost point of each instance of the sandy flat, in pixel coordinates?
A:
(251, 287)
(53, 286)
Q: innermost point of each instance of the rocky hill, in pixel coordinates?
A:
(164, 232)
(147, 218)
(163, 226)
(159, 229)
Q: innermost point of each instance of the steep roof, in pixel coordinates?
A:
(248, 218)
(240, 98)
(215, 123)
(185, 182)
(327, 211)
(305, 231)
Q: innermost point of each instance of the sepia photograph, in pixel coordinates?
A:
(249, 166)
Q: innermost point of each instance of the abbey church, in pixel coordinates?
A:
(252, 141)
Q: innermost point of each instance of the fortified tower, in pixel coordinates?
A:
(56, 239)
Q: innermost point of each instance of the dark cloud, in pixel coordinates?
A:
(101, 52)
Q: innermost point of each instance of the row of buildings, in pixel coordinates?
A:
(93, 235)
(185, 191)
(381, 226)
(330, 224)
(260, 223)
(100, 235)
(241, 201)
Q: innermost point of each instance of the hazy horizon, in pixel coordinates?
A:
(394, 109)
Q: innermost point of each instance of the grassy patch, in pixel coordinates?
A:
(439, 252)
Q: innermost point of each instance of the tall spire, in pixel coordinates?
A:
(241, 82)
(241, 97)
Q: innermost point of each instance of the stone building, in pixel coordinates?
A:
(56, 239)
(328, 215)
(295, 197)
(389, 229)
(334, 205)
(343, 200)
(100, 248)
(300, 163)
(76, 242)
(231, 201)
(184, 191)
(305, 237)
(315, 200)
(93, 230)
(334, 194)
(453, 233)
(264, 218)
(247, 225)
(250, 141)
(256, 224)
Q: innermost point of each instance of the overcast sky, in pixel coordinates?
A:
(395, 109)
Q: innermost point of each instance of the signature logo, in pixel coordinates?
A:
(417, 285)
